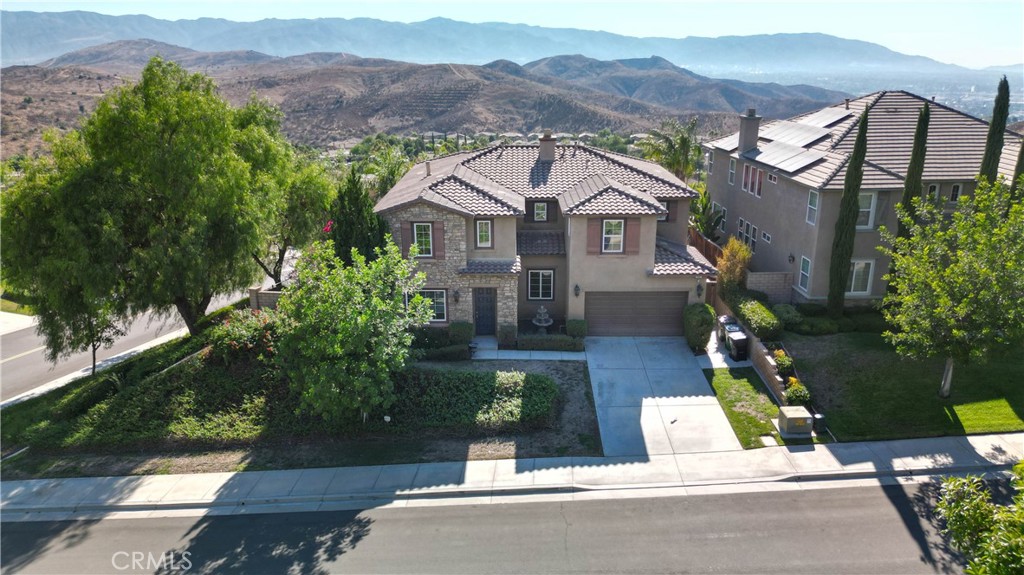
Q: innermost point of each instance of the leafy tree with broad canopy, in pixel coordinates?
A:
(991, 536)
(346, 329)
(959, 279)
(69, 258)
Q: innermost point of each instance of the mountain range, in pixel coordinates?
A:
(329, 97)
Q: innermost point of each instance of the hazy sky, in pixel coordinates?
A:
(973, 33)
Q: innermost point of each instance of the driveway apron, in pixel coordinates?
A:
(653, 399)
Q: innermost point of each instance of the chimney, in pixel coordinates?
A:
(547, 146)
(847, 103)
(749, 124)
(428, 167)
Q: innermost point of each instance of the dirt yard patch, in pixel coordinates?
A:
(576, 434)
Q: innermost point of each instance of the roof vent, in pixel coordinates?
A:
(547, 146)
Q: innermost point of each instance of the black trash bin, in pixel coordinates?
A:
(737, 344)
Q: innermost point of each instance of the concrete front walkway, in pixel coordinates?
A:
(653, 399)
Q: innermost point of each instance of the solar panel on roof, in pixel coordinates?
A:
(773, 153)
(825, 117)
(800, 161)
(793, 133)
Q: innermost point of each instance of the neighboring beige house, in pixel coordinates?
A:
(780, 183)
(586, 233)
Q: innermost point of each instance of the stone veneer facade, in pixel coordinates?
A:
(444, 273)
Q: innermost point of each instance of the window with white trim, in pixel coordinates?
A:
(541, 284)
(866, 210)
(437, 303)
(612, 235)
(725, 218)
(805, 273)
(934, 190)
(954, 192)
(747, 233)
(766, 237)
(812, 207)
(540, 212)
(664, 204)
(711, 161)
(716, 207)
(484, 237)
(423, 237)
(756, 181)
(773, 179)
(860, 277)
(746, 178)
(732, 171)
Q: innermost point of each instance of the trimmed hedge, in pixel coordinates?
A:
(787, 314)
(430, 337)
(759, 319)
(576, 328)
(461, 332)
(507, 335)
(550, 342)
(454, 352)
(811, 309)
(698, 323)
(816, 325)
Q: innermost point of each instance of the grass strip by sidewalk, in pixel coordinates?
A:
(746, 402)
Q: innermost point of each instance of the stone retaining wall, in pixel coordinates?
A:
(764, 364)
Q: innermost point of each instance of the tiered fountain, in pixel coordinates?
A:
(542, 321)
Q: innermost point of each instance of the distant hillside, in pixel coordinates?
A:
(331, 97)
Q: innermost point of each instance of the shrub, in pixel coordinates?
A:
(431, 337)
(248, 333)
(816, 325)
(461, 332)
(845, 324)
(759, 296)
(507, 335)
(732, 264)
(550, 342)
(811, 309)
(871, 322)
(797, 393)
(576, 328)
(787, 314)
(698, 323)
(454, 352)
(759, 319)
(83, 398)
(783, 362)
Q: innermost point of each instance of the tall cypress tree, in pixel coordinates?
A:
(994, 143)
(354, 225)
(1018, 170)
(846, 223)
(912, 186)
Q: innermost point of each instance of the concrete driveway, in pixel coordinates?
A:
(652, 398)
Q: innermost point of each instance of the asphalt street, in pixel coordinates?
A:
(845, 530)
(23, 364)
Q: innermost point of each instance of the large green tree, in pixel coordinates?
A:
(1018, 171)
(346, 329)
(387, 164)
(703, 215)
(959, 280)
(912, 186)
(354, 225)
(846, 222)
(675, 147)
(65, 254)
(996, 128)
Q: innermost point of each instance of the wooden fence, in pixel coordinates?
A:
(708, 248)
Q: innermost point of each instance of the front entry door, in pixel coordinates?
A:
(485, 310)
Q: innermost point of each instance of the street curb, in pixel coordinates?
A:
(384, 497)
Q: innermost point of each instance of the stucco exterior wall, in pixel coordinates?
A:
(503, 231)
(562, 288)
(675, 230)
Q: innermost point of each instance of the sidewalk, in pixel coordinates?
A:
(505, 481)
(11, 322)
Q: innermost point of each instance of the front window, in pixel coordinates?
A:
(860, 277)
(542, 284)
(423, 236)
(805, 273)
(934, 190)
(613, 236)
(812, 207)
(757, 182)
(954, 192)
(866, 214)
(540, 212)
(663, 217)
(483, 234)
(732, 171)
(436, 299)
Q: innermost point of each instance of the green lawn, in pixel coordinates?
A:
(868, 392)
(746, 402)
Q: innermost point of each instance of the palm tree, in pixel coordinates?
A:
(703, 217)
(675, 147)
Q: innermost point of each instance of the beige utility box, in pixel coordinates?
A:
(795, 419)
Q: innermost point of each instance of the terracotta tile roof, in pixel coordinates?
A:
(497, 180)
(597, 195)
(956, 142)
(540, 243)
(492, 267)
(672, 259)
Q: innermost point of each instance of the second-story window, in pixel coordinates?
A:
(612, 235)
(540, 212)
(866, 213)
(711, 161)
(732, 171)
(812, 207)
(954, 192)
(422, 233)
(483, 234)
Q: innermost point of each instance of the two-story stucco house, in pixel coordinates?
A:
(780, 183)
(588, 234)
